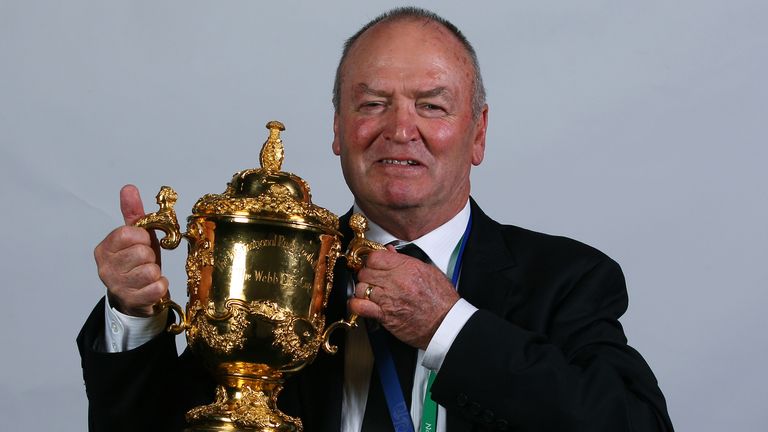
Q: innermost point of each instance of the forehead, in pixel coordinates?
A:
(408, 48)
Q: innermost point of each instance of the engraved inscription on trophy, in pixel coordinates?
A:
(279, 267)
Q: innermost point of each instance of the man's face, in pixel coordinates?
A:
(404, 129)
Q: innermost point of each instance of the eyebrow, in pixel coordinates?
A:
(364, 88)
(437, 91)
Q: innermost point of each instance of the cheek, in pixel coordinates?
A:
(360, 134)
(443, 133)
(442, 137)
(450, 143)
(364, 130)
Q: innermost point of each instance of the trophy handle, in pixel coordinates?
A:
(357, 251)
(166, 221)
(173, 328)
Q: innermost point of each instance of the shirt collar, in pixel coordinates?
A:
(438, 244)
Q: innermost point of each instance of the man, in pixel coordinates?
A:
(527, 338)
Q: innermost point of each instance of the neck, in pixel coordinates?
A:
(413, 222)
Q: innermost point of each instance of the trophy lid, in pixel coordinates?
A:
(267, 193)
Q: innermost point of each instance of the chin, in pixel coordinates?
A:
(391, 198)
(401, 205)
(403, 202)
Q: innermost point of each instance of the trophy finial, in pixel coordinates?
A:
(272, 155)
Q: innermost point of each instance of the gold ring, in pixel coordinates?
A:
(368, 292)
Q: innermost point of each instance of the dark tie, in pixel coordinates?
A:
(377, 417)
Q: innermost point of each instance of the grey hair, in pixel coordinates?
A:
(414, 13)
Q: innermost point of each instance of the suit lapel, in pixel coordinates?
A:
(486, 271)
(486, 279)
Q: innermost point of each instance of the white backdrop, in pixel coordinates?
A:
(637, 127)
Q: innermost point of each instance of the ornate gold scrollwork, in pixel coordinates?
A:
(164, 219)
(296, 337)
(359, 247)
(279, 204)
(331, 258)
(200, 254)
(233, 338)
(254, 408)
(299, 344)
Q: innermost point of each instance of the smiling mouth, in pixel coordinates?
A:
(406, 162)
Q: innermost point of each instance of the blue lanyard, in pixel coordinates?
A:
(385, 365)
(460, 256)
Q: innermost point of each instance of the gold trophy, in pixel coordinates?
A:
(260, 270)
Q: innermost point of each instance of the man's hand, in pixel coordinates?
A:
(409, 298)
(128, 261)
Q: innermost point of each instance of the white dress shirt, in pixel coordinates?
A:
(124, 332)
(358, 356)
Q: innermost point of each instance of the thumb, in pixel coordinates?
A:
(130, 204)
(132, 210)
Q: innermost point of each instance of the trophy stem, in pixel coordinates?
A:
(243, 404)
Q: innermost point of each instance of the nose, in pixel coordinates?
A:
(402, 127)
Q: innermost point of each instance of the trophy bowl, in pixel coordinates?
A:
(260, 270)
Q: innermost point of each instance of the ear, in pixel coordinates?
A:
(336, 146)
(478, 144)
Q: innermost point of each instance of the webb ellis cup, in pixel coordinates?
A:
(260, 270)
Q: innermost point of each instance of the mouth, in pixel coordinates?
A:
(400, 162)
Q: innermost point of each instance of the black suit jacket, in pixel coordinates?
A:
(545, 352)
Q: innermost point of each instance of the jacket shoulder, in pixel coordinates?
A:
(538, 243)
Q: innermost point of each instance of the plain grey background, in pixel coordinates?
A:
(637, 127)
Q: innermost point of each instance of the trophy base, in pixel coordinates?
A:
(243, 405)
(221, 428)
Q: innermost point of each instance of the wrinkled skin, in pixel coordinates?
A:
(398, 299)
(407, 139)
(128, 261)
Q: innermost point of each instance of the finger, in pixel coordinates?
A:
(113, 268)
(395, 263)
(388, 277)
(142, 276)
(388, 259)
(365, 308)
(117, 248)
(125, 237)
(134, 256)
(153, 293)
(364, 290)
(130, 204)
(141, 302)
(369, 292)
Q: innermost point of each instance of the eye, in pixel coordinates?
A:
(431, 109)
(371, 106)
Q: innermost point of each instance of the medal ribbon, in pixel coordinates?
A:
(429, 408)
(385, 365)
